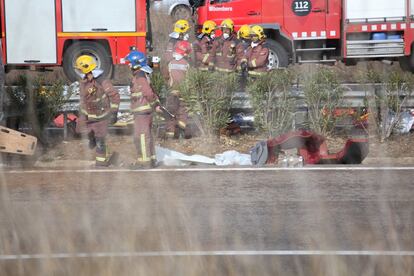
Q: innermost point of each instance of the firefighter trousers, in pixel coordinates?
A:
(176, 106)
(143, 139)
(97, 132)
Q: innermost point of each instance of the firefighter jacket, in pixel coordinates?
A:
(204, 52)
(177, 70)
(143, 97)
(226, 58)
(257, 58)
(98, 99)
(241, 52)
(168, 55)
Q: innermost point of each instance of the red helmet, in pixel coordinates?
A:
(183, 48)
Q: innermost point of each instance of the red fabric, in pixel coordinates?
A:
(59, 121)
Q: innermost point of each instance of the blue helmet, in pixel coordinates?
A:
(138, 61)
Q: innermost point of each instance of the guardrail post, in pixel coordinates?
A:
(65, 125)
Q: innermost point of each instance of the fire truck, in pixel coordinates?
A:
(306, 31)
(46, 33)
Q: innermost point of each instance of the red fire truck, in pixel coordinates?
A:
(55, 32)
(305, 31)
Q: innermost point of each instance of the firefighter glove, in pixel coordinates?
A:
(114, 118)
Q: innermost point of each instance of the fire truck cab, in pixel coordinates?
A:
(305, 31)
(55, 32)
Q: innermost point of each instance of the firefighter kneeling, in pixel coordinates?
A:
(177, 69)
(99, 103)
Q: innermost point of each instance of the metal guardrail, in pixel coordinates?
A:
(354, 96)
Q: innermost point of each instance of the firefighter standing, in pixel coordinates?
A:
(177, 69)
(203, 48)
(257, 53)
(226, 58)
(180, 33)
(143, 102)
(244, 42)
(99, 103)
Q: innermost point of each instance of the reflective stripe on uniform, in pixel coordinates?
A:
(136, 94)
(224, 70)
(100, 159)
(114, 105)
(254, 63)
(143, 148)
(170, 134)
(100, 99)
(255, 73)
(219, 54)
(93, 116)
(142, 108)
(205, 58)
(181, 124)
(181, 67)
(83, 111)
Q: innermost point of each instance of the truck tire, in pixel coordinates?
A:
(278, 57)
(97, 50)
(406, 63)
(181, 12)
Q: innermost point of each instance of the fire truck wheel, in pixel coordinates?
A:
(181, 12)
(94, 49)
(278, 57)
(406, 64)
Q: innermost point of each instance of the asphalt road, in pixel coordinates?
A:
(310, 221)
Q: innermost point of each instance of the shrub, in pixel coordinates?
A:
(37, 104)
(323, 94)
(387, 99)
(208, 97)
(272, 102)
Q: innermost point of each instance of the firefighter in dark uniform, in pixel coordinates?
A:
(178, 68)
(203, 47)
(225, 50)
(258, 53)
(99, 103)
(143, 103)
(180, 33)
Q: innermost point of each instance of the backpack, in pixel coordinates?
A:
(259, 153)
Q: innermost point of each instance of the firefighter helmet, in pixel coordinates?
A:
(244, 32)
(257, 31)
(227, 23)
(138, 61)
(183, 48)
(85, 64)
(208, 27)
(181, 26)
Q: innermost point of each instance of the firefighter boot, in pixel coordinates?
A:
(101, 153)
(92, 140)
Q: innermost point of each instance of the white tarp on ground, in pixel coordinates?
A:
(174, 158)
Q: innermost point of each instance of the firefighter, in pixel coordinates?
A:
(225, 49)
(178, 68)
(99, 103)
(203, 47)
(258, 52)
(244, 42)
(143, 102)
(180, 32)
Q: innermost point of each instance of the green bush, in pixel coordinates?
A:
(323, 94)
(208, 97)
(387, 99)
(272, 102)
(36, 103)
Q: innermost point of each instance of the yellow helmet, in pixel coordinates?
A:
(244, 32)
(85, 64)
(257, 31)
(181, 26)
(227, 23)
(208, 27)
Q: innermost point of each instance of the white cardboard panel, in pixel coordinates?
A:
(357, 9)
